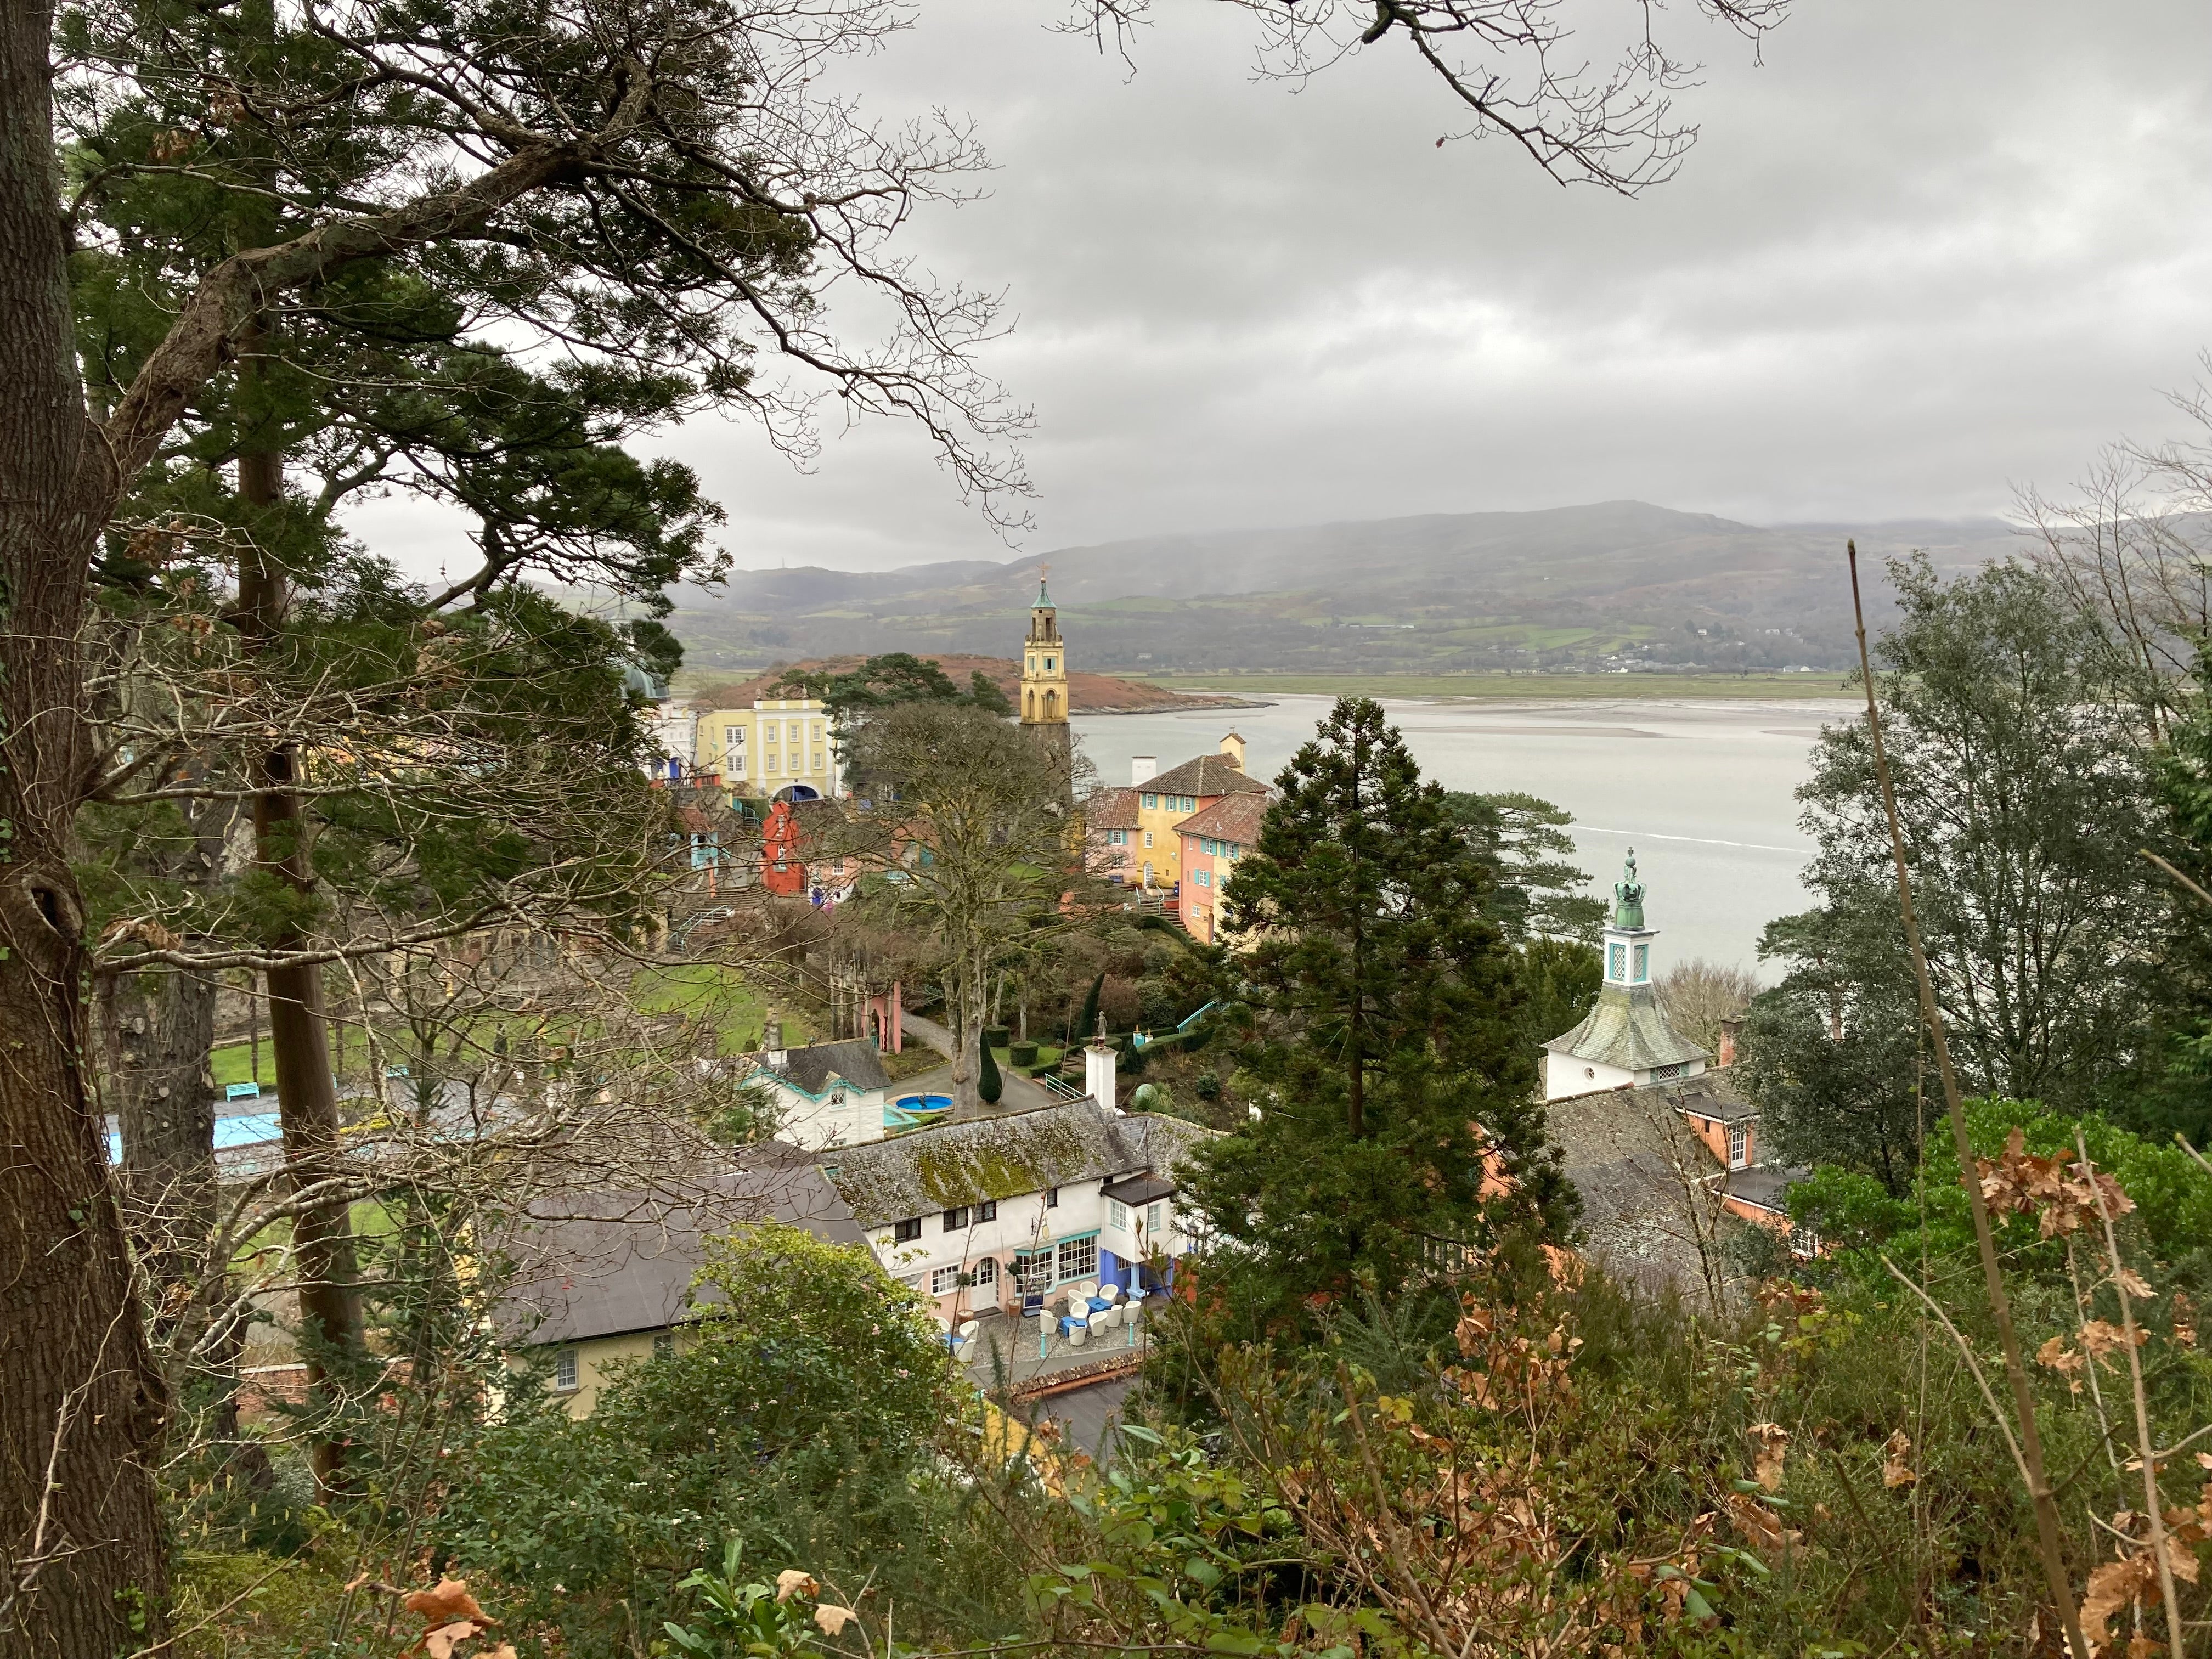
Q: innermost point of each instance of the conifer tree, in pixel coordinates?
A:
(1396, 1088)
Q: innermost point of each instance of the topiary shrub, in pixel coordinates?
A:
(990, 1085)
(1022, 1054)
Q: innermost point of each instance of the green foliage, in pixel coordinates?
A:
(806, 1405)
(2172, 1195)
(885, 681)
(1852, 1098)
(2172, 1092)
(745, 1621)
(1086, 1022)
(1559, 982)
(2025, 790)
(1538, 893)
(1389, 1057)
(990, 1085)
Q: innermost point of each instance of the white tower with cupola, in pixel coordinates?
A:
(1627, 1041)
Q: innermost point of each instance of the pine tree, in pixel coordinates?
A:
(1398, 1116)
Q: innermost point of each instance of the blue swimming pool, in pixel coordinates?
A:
(910, 1110)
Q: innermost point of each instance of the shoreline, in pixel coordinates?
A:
(1522, 687)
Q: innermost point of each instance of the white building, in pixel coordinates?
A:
(981, 1213)
(828, 1094)
(1626, 1042)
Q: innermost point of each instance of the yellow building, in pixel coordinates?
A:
(1044, 686)
(768, 747)
(1152, 854)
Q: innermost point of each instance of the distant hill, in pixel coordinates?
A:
(1612, 584)
(1087, 693)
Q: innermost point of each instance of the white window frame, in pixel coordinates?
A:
(1117, 1214)
(567, 1372)
(943, 1281)
(987, 1272)
(1062, 1274)
(1739, 1145)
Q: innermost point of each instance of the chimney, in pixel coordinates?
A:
(1233, 747)
(772, 1050)
(1730, 1030)
(1098, 1073)
(1143, 768)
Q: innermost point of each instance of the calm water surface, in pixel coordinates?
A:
(1704, 791)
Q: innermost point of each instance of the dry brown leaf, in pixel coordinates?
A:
(2134, 1284)
(1895, 1471)
(439, 1643)
(1770, 1441)
(2099, 1337)
(795, 1581)
(833, 1618)
(448, 1600)
(2056, 1355)
(2114, 1585)
(1760, 1527)
(2182, 1561)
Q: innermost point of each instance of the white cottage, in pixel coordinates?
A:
(1627, 1041)
(828, 1094)
(983, 1214)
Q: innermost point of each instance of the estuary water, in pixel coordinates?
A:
(1704, 790)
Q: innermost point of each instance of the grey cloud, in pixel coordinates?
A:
(1922, 253)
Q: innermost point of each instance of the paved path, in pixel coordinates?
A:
(1017, 1093)
(1006, 1353)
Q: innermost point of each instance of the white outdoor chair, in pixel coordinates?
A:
(1083, 1290)
(1106, 1319)
(1078, 1330)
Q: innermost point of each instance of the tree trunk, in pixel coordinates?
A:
(82, 1562)
(158, 1031)
(299, 1035)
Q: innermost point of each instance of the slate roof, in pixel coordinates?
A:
(603, 1264)
(1138, 1190)
(1629, 1030)
(1208, 774)
(856, 1059)
(1233, 817)
(1765, 1186)
(964, 1161)
(1627, 1150)
(1110, 809)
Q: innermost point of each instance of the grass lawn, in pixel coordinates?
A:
(719, 997)
(234, 1062)
(1825, 683)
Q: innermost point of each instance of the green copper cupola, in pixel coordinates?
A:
(1628, 896)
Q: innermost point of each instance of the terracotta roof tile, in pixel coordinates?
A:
(1110, 809)
(1208, 774)
(1233, 817)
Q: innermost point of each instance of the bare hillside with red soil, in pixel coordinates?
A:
(1087, 694)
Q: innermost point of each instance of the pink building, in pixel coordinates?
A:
(1212, 841)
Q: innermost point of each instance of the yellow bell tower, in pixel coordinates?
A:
(1044, 681)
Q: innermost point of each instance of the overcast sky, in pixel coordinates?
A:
(1929, 249)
